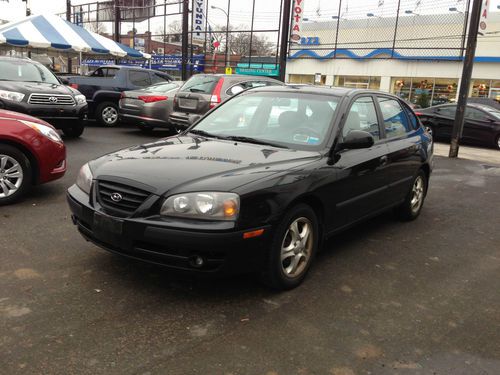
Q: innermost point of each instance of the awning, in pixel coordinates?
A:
(53, 33)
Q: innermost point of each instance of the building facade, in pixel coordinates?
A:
(423, 76)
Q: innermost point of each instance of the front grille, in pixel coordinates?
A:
(49, 99)
(131, 198)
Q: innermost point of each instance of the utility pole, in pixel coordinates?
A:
(117, 21)
(470, 52)
(68, 18)
(184, 41)
(285, 36)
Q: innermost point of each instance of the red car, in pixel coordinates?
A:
(31, 153)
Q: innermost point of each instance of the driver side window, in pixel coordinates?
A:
(362, 116)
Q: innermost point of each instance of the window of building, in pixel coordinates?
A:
(425, 92)
(358, 82)
(480, 88)
(362, 116)
(395, 121)
(301, 78)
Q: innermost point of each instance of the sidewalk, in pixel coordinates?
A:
(483, 155)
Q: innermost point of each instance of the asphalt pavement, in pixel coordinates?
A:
(383, 298)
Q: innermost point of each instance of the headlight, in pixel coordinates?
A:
(84, 179)
(80, 99)
(11, 95)
(203, 205)
(44, 130)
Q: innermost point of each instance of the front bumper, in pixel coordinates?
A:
(183, 120)
(157, 242)
(58, 116)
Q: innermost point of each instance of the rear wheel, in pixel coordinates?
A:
(15, 174)
(497, 142)
(107, 114)
(74, 131)
(293, 249)
(414, 201)
(431, 131)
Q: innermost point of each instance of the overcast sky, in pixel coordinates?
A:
(266, 11)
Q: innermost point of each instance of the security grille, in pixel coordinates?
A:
(49, 99)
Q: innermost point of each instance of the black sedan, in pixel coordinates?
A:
(258, 182)
(482, 123)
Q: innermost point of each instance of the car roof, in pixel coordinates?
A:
(322, 90)
(240, 76)
(24, 59)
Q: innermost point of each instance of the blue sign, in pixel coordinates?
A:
(158, 62)
(258, 69)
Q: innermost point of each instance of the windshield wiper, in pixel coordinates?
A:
(196, 90)
(203, 133)
(253, 140)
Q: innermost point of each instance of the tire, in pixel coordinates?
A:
(13, 188)
(146, 129)
(430, 129)
(279, 272)
(107, 114)
(497, 142)
(74, 131)
(412, 206)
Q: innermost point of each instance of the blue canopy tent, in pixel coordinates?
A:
(54, 34)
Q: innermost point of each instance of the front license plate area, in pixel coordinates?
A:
(107, 228)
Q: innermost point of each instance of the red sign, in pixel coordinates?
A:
(297, 14)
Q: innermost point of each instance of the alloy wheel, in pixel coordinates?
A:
(296, 248)
(417, 194)
(109, 115)
(11, 175)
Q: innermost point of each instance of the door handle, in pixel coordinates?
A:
(383, 160)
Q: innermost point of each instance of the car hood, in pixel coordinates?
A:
(184, 163)
(11, 115)
(35, 87)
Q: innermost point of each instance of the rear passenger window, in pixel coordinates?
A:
(362, 116)
(413, 119)
(156, 78)
(139, 78)
(395, 121)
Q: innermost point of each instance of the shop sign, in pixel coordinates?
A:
(483, 21)
(159, 62)
(198, 20)
(297, 11)
(268, 70)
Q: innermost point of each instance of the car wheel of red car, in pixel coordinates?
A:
(74, 131)
(293, 249)
(15, 174)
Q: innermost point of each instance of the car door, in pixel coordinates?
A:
(444, 118)
(478, 126)
(403, 134)
(360, 188)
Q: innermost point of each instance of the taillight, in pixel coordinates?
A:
(152, 98)
(74, 85)
(215, 98)
(419, 114)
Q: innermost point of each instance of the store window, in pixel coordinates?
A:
(301, 78)
(358, 82)
(480, 88)
(425, 92)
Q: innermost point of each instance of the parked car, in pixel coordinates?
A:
(28, 87)
(31, 153)
(258, 191)
(149, 107)
(203, 92)
(104, 86)
(482, 123)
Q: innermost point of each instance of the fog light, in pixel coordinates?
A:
(197, 261)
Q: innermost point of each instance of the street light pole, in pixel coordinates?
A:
(228, 51)
(470, 52)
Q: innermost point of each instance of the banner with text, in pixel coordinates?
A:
(296, 26)
(199, 20)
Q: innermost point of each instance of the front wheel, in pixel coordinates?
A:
(15, 174)
(293, 249)
(74, 131)
(497, 142)
(107, 114)
(414, 201)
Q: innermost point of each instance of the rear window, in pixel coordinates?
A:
(162, 87)
(201, 84)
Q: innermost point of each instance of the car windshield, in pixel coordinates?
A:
(25, 71)
(298, 121)
(200, 83)
(163, 87)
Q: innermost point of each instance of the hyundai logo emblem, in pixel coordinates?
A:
(116, 197)
(53, 99)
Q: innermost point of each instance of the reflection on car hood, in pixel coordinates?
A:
(35, 87)
(197, 163)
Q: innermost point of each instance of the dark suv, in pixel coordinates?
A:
(27, 86)
(202, 92)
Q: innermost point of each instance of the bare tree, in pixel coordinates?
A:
(172, 34)
(239, 42)
(96, 27)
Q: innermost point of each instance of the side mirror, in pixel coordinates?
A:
(356, 139)
(64, 81)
